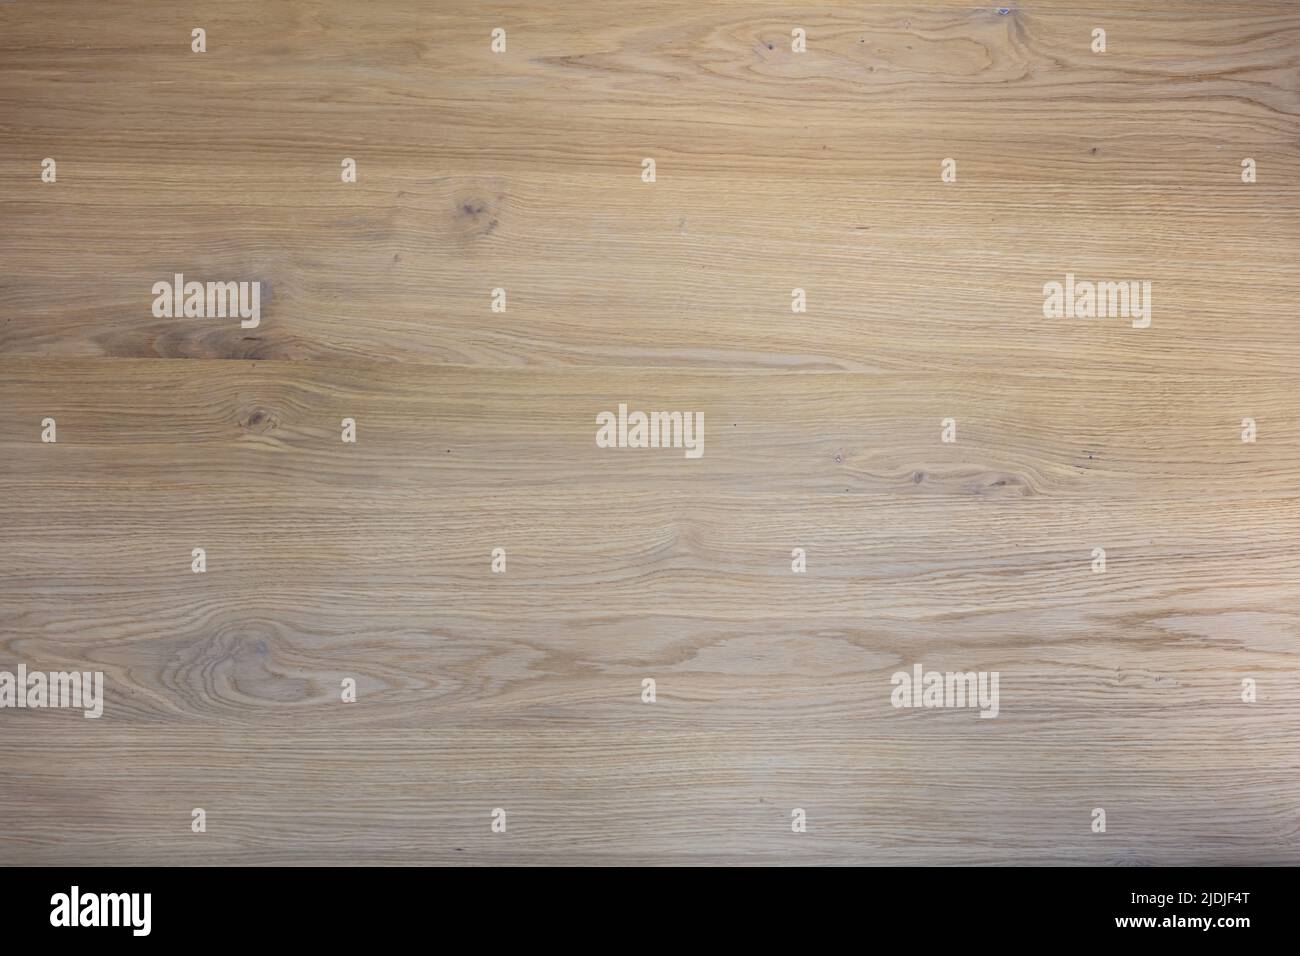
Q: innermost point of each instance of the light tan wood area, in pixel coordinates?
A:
(476, 429)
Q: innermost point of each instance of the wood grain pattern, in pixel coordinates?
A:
(521, 690)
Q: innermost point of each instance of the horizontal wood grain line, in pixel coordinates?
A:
(917, 281)
(452, 431)
(1189, 698)
(414, 54)
(406, 798)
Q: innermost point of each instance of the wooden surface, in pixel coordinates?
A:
(522, 690)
